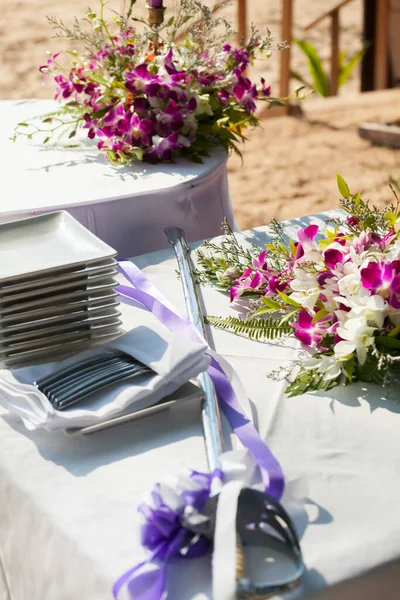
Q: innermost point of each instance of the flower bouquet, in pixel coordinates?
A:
(338, 293)
(153, 91)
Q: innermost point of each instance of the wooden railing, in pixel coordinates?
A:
(380, 46)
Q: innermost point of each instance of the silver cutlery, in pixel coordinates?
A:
(75, 382)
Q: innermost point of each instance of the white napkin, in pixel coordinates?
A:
(174, 360)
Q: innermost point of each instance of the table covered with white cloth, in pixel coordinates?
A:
(69, 525)
(127, 207)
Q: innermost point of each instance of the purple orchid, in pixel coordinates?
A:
(306, 239)
(112, 119)
(246, 94)
(163, 148)
(141, 107)
(138, 132)
(309, 333)
(384, 279)
(45, 69)
(224, 96)
(171, 119)
(66, 87)
(265, 89)
(274, 285)
(333, 256)
(241, 56)
(259, 263)
(137, 80)
(246, 283)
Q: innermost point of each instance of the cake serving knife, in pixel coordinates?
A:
(273, 529)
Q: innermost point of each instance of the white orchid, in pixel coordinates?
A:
(357, 336)
(373, 309)
(326, 365)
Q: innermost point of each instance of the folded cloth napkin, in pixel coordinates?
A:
(174, 360)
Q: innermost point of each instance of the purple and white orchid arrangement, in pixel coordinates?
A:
(337, 292)
(155, 99)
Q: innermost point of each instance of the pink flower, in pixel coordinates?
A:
(259, 262)
(332, 256)
(383, 279)
(306, 238)
(246, 282)
(309, 333)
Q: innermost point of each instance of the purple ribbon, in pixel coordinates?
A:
(151, 298)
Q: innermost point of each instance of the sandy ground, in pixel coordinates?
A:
(289, 165)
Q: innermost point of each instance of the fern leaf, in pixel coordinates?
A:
(255, 329)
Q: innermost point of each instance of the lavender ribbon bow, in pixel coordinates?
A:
(165, 534)
(142, 582)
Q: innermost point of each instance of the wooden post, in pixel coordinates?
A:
(381, 45)
(242, 21)
(286, 36)
(335, 29)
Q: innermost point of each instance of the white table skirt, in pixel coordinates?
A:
(127, 207)
(68, 520)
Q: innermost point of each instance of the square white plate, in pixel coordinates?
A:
(12, 349)
(100, 299)
(49, 353)
(89, 272)
(89, 323)
(54, 290)
(7, 307)
(51, 241)
(86, 313)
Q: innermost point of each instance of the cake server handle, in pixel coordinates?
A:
(210, 415)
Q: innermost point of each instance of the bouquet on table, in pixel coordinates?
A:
(338, 293)
(145, 95)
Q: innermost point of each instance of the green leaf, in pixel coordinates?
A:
(263, 311)
(271, 303)
(390, 218)
(254, 328)
(348, 368)
(289, 300)
(387, 342)
(22, 125)
(395, 332)
(308, 380)
(343, 187)
(288, 316)
(346, 69)
(47, 120)
(292, 248)
(170, 22)
(100, 113)
(317, 72)
(46, 139)
(320, 315)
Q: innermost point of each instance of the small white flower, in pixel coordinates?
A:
(373, 309)
(203, 105)
(306, 299)
(304, 281)
(357, 336)
(328, 365)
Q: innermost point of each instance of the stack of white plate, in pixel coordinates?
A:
(57, 289)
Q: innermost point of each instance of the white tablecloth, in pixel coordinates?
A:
(68, 520)
(127, 207)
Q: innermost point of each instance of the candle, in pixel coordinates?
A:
(156, 3)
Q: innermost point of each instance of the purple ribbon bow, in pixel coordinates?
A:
(146, 581)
